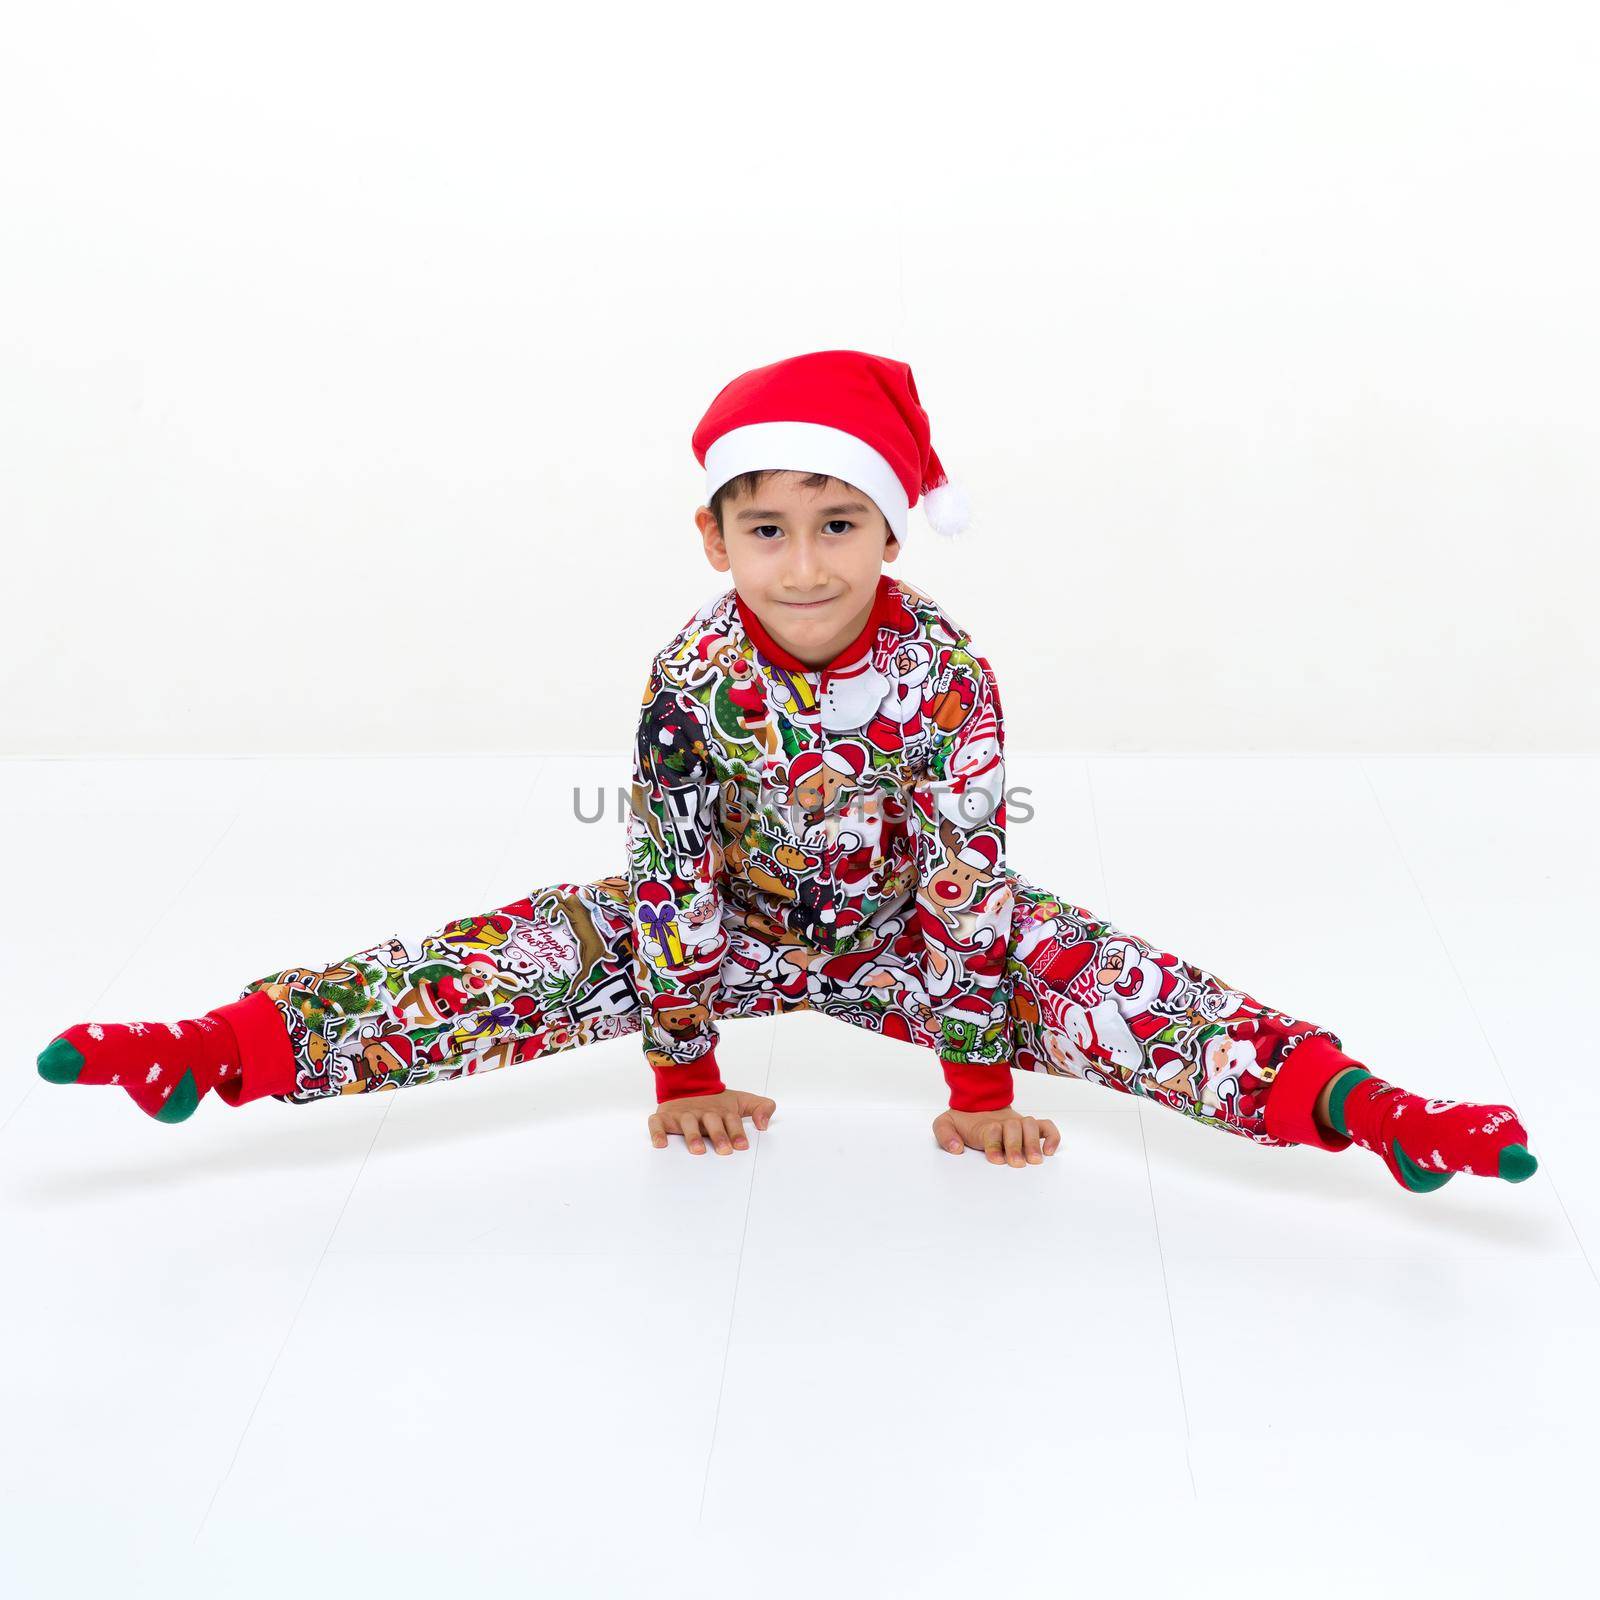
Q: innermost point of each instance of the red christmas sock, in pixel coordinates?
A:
(241, 1050)
(1423, 1142)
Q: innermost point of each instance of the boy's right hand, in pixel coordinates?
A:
(719, 1116)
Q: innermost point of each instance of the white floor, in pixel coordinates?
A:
(481, 1337)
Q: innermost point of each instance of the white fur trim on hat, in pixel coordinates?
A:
(808, 447)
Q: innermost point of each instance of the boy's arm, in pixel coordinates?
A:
(673, 857)
(964, 898)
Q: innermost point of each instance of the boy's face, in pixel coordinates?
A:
(806, 561)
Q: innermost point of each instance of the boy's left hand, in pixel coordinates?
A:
(1006, 1136)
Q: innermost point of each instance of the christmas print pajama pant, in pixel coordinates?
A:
(555, 970)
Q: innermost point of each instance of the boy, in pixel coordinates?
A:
(818, 820)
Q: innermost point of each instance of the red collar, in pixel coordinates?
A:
(861, 645)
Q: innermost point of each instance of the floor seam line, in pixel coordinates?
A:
(1149, 1177)
(294, 1322)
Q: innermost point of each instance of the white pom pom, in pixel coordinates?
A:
(946, 510)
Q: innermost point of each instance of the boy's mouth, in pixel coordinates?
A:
(810, 605)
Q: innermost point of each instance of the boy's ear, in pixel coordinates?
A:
(711, 537)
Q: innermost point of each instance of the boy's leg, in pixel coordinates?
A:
(543, 974)
(1091, 1000)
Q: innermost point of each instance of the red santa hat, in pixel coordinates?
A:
(843, 760)
(854, 416)
(981, 851)
(848, 760)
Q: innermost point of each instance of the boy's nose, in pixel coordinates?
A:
(807, 570)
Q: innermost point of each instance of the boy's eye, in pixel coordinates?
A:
(841, 523)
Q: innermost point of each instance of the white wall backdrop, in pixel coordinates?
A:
(349, 354)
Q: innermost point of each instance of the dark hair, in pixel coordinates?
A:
(748, 482)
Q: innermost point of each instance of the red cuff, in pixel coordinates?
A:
(680, 1080)
(1290, 1112)
(266, 1058)
(977, 1086)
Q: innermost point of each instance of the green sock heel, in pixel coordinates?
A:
(1416, 1179)
(181, 1103)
